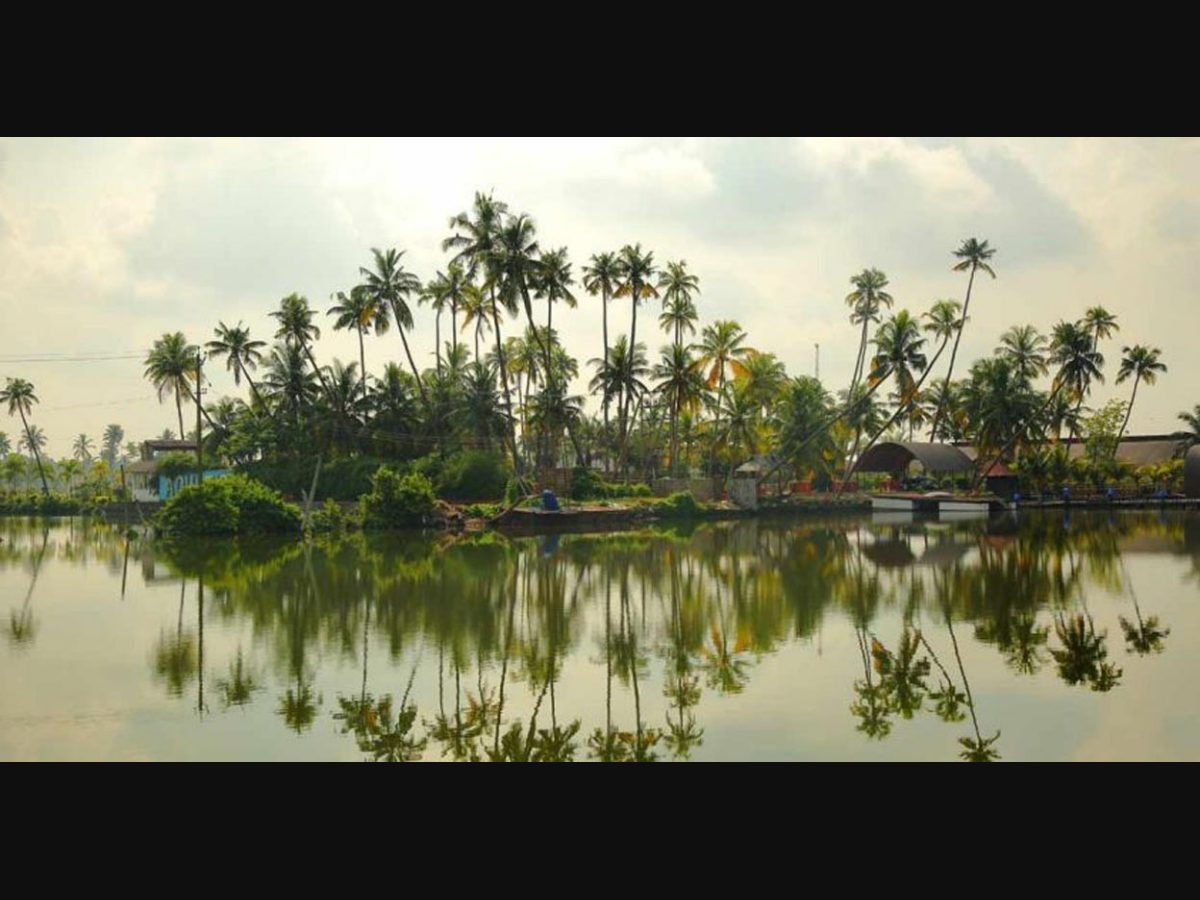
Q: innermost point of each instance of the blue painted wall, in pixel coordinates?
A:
(169, 487)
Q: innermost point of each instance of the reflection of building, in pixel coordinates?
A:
(140, 476)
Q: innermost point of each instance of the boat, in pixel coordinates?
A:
(939, 502)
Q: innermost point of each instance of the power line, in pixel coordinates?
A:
(43, 359)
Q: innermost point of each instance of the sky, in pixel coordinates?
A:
(105, 244)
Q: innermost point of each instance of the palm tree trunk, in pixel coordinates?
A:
(632, 350)
(896, 415)
(179, 411)
(437, 340)
(858, 360)
(412, 365)
(512, 424)
(604, 302)
(454, 323)
(362, 362)
(937, 418)
(1128, 413)
(36, 455)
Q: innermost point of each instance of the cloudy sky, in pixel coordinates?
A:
(106, 244)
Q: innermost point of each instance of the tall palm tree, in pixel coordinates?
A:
(679, 288)
(390, 285)
(517, 260)
(361, 311)
(113, 436)
(1141, 364)
(722, 347)
(635, 269)
(943, 323)
(554, 283)
(291, 381)
(171, 368)
(475, 238)
(82, 448)
(296, 327)
(973, 256)
(18, 394)
(865, 302)
(603, 277)
(242, 354)
(899, 353)
(680, 384)
(477, 311)
(1101, 324)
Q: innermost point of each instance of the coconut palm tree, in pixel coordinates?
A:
(679, 288)
(296, 327)
(242, 354)
(390, 285)
(680, 384)
(18, 394)
(291, 381)
(5, 445)
(1101, 324)
(113, 436)
(554, 283)
(475, 238)
(636, 270)
(1026, 347)
(1192, 420)
(361, 311)
(1141, 364)
(865, 302)
(477, 311)
(82, 448)
(621, 375)
(898, 354)
(973, 255)
(603, 277)
(722, 347)
(68, 471)
(171, 368)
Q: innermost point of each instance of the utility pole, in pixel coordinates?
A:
(199, 443)
(818, 347)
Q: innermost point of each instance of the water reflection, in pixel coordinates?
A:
(503, 632)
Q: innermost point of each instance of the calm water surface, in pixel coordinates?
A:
(1030, 637)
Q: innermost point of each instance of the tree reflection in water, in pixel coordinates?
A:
(680, 622)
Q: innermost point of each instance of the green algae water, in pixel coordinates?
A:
(1030, 636)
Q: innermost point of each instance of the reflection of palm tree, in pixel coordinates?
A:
(901, 674)
(979, 748)
(1082, 658)
(297, 707)
(21, 625)
(1145, 637)
(239, 687)
(175, 657)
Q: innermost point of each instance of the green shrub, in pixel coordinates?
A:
(397, 501)
(173, 465)
(233, 504)
(680, 505)
(512, 491)
(481, 510)
(473, 475)
(330, 516)
(35, 503)
(586, 483)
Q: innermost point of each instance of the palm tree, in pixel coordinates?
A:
(681, 386)
(389, 285)
(82, 448)
(296, 327)
(516, 257)
(1140, 363)
(1192, 420)
(621, 375)
(635, 269)
(360, 310)
(602, 277)
(5, 446)
(973, 255)
(242, 354)
(113, 435)
(865, 302)
(722, 347)
(1026, 347)
(554, 283)
(476, 239)
(68, 471)
(899, 353)
(477, 311)
(18, 394)
(291, 380)
(679, 309)
(171, 368)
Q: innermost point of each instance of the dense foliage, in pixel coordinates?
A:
(230, 505)
(397, 501)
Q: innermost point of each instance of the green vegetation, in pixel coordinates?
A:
(398, 501)
(680, 505)
(230, 505)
